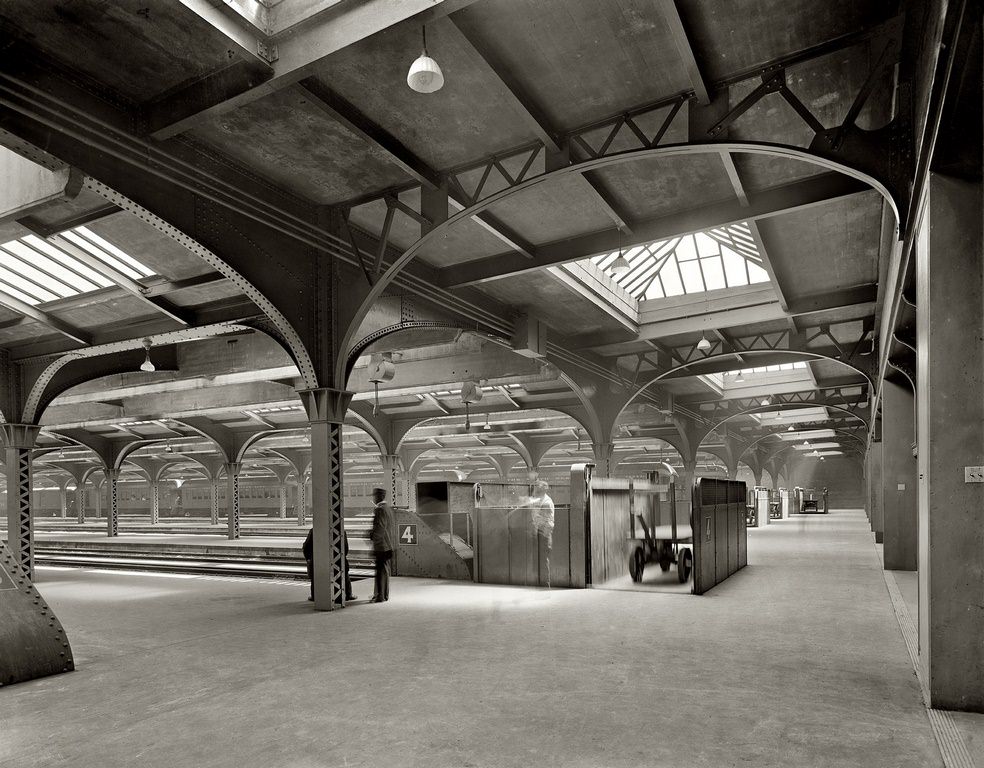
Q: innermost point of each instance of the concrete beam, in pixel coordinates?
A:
(671, 15)
(45, 318)
(739, 309)
(535, 117)
(285, 61)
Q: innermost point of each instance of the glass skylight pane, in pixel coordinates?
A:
(692, 281)
(109, 247)
(71, 263)
(734, 268)
(713, 273)
(671, 280)
(36, 276)
(637, 283)
(655, 290)
(686, 251)
(757, 274)
(74, 282)
(603, 262)
(103, 256)
(14, 278)
(706, 246)
(772, 368)
(11, 291)
(799, 365)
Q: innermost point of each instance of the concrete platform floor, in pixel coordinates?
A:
(795, 661)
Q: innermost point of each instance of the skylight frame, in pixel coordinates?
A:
(39, 272)
(659, 269)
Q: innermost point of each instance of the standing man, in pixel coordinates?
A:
(542, 507)
(382, 544)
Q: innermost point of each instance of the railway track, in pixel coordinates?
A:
(288, 566)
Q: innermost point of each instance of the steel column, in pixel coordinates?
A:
(283, 501)
(232, 479)
(326, 409)
(80, 502)
(214, 498)
(155, 502)
(113, 517)
(301, 500)
(603, 455)
(391, 476)
(18, 440)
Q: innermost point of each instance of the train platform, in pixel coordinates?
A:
(797, 660)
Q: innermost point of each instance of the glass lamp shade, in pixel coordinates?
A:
(425, 75)
(703, 345)
(620, 266)
(146, 365)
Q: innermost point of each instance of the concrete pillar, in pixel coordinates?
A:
(113, 516)
(18, 441)
(950, 427)
(80, 502)
(898, 477)
(874, 475)
(232, 498)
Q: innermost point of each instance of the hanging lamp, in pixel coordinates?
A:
(147, 365)
(703, 345)
(425, 74)
(620, 266)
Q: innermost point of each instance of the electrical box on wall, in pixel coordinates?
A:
(974, 474)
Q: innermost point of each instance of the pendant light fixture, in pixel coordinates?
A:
(789, 428)
(703, 345)
(147, 365)
(739, 379)
(487, 426)
(425, 75)
(766, 401)
(620, 266)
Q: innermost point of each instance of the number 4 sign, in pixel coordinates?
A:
(408, 534)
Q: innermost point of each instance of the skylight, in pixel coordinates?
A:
(768, 369)
(36, 271)
(725, 257)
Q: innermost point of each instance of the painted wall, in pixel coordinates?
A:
(843, 478)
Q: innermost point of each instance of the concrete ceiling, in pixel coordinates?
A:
(343, 130)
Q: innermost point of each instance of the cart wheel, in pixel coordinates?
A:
(637, 564)
(665, 559)
(685, 564)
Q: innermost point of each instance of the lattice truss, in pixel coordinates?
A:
(725, 257)
(24, 529)
(337, 531)
(235, 503)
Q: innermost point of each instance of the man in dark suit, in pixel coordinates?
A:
(382, 544)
